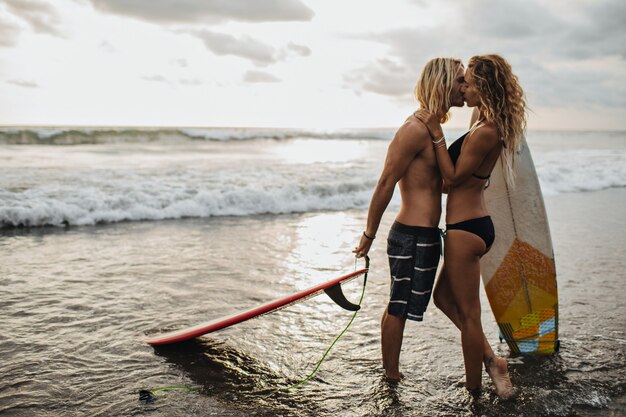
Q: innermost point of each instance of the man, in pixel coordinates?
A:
(414, 241)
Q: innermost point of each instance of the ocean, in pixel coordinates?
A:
(108, 235)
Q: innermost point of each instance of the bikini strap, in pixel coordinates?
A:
(480, 177)
(476, 125)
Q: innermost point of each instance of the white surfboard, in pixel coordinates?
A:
(519, 271)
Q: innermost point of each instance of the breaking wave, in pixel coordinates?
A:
(83, 136)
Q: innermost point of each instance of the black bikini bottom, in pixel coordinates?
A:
(481, 227)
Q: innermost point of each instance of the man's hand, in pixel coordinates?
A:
(431, 121)
(364, 246)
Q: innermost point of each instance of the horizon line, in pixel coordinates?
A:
(176, 127)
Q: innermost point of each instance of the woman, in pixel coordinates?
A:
(500, 122)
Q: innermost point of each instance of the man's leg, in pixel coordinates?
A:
(392, 329)
(401, 251)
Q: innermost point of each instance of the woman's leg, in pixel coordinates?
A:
(442, 296)
(462, 255)
(496, 367)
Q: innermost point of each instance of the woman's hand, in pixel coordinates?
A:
(431, 121)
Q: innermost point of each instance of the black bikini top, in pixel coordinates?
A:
(455, 151)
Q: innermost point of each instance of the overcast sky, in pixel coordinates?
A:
(298, 63)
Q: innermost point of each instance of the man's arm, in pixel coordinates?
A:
(410, 140)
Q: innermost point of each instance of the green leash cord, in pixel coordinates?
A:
(319, 363)
(149, 396)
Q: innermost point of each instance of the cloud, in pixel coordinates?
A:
(208, 11)
(9, 32)
(41, 16)
(551, 48)
(260, 53)
(506, 19)
(190, 81)
(24, 83)
(180, 62)
(579, 31)
(260, 77)
(385, 77)
(576, 85)
(301, 50)
(155, 78)
(243, 47)
(600, 33)
(291, 50)
(158, 78)
(396, 73)
(106, 47)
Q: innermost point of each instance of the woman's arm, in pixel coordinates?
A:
(476, 147)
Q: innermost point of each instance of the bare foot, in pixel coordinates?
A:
(499, 373)
(394, 377)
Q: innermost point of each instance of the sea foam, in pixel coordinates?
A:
(155, 199)
(107, 135)
(122, 181)
(579, 171)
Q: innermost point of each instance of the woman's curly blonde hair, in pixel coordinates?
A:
(434, 86)
(502, 103)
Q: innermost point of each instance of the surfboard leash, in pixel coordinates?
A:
(149, 396)
(319, 363)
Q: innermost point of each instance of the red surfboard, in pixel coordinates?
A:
(332, 288)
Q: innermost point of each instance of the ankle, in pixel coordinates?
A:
(474, 392)
(489, 361)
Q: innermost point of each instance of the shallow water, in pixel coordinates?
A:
(77, 302)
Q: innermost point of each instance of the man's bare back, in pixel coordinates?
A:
(420, 186)
(410, 162)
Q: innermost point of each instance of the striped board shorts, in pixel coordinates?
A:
(414, 253)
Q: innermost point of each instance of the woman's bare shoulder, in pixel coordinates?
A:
(486, 132)
(484, 138)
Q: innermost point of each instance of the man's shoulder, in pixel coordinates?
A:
(413, 130)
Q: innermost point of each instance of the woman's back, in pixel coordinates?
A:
(466, 199)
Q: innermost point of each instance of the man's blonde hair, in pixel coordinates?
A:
(435, 85)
